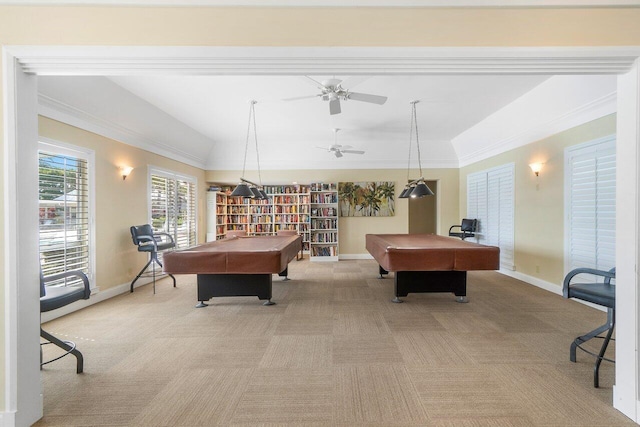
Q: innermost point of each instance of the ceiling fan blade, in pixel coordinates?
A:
(353, 151)
(296, 98)
(338, 153)
(334, 106)
(365, 97)
(315, 82)
(324, 148)
(345, 147)
(353, 81)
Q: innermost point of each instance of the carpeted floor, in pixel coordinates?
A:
(334, 351)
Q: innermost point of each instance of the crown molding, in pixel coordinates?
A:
(73, 116)
(196, 61)
(338, 3)
(591, 111)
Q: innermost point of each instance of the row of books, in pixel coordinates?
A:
(324, 212)
(324, 198)
(324, 224)
(321, 186)
(324, 237)
(324, 250)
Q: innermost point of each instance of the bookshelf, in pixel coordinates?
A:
(287, 208)
(323, 204)
(260, 217)
(216, 215)
(237, 213)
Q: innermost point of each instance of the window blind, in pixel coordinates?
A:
(590, 204)
(173, 207)
(490, 200)
(64, 211)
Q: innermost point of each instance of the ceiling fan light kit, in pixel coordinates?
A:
(416, 188)
(332, 90)
(337, 149)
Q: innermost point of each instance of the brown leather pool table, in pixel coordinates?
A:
(238, 266)
(430, 263)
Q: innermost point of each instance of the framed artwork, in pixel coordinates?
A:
(373, 198)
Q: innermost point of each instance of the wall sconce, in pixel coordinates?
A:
(536, 168)
(125, 171)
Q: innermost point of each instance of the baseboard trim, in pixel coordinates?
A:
(543, 284)
(355, 256)
(7, 419)
(96, 297)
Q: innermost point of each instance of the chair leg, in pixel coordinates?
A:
(611, 318)
(66, 347)
(608, 328)
(168, 274)
(141, 272)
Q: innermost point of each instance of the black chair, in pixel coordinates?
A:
(54, 297)
(468, 228)
(600, 293)
(148, 241)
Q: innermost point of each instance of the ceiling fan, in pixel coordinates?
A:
(335, 90)
(338, 149)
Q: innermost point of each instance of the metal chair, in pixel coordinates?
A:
(600, 293)
(54, 297)
(148, 241)
(467, 229)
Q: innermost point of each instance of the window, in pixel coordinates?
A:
(65, 208)
(590, 202)
(173, 206)
(490, 199)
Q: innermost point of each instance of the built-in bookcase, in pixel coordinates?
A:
(216, 215)
(287, 208)
(323, 205)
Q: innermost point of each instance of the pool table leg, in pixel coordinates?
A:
(201, 304)
(407, 282)
(268, 302)
(284, 274)
(397, 300)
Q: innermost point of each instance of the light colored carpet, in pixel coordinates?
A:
(334, 351)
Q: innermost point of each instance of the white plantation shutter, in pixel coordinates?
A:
(590, 204)
(173, 206)
(490, 200)
(65, 210)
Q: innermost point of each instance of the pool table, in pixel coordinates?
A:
(430, 263)
(237, 266)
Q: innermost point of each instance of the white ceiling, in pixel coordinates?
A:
(203, 119)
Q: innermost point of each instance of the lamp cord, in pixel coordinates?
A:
(415, 120)
(255, 135)
(410, 141)
(246, 143)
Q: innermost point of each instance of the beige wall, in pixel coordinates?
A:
(539, 202)
(120, 204)
(156, 26)
(353, 229)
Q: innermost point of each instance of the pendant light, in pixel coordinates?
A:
(416, 188)
(247, 188)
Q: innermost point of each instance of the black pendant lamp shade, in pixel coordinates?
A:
(405, 193)
(242, 190)
(421, 189)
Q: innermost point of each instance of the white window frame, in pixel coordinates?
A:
(88, 155)
(606, 142)
(480, 180)
(154, 170)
